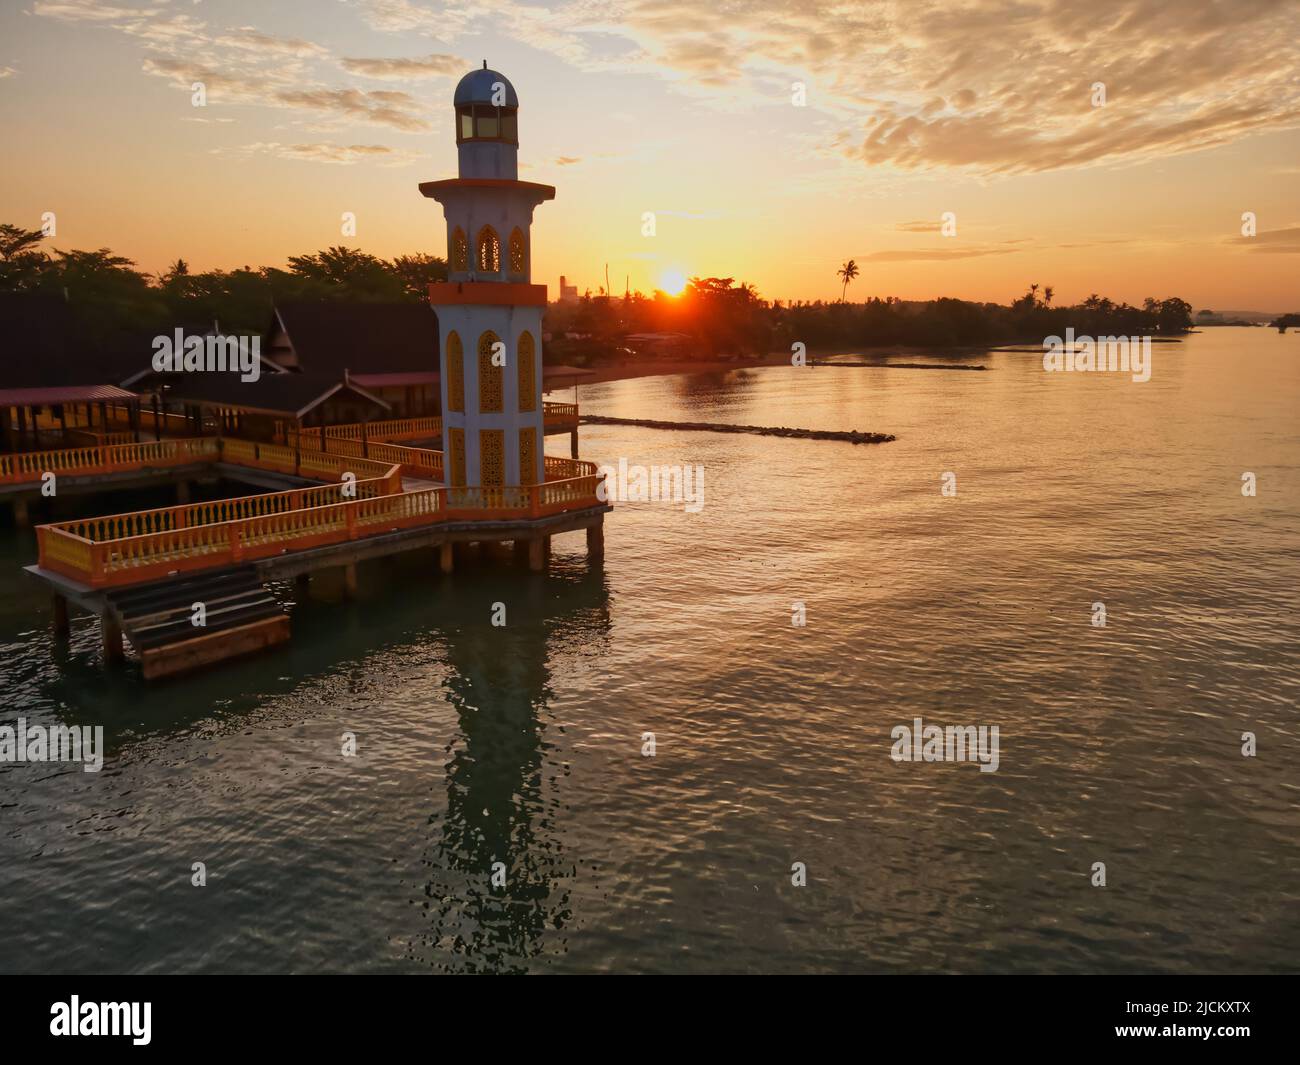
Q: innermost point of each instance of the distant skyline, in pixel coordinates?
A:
(693, 112)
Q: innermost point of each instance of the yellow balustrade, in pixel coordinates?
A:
(217, 511)
(560, 412)
(558, 469)
(404, 428)
(107, 458)
(123, 549)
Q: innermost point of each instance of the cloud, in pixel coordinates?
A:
(396, 110)
(933, 254)
(402, 16)
(918, 227)
(429, 66)
(987, 86)
(325, 152)
(7, 72)
(385, 108)
(1273, 241)
(253, 40)
(242, 65)
(567, 160)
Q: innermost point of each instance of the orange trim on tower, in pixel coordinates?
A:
(486, 294)
(432, 188)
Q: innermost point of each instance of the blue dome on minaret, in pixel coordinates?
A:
(487, 125)
(479, 87)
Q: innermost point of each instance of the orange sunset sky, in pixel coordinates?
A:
(685, 109)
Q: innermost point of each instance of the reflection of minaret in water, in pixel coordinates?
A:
(498, 808)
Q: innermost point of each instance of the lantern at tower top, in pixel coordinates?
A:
(487, 125)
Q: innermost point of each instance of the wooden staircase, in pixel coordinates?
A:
(241, 617)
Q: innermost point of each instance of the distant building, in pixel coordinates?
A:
(659, 345)
(568, 293)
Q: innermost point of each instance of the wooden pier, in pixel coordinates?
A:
(358, 498)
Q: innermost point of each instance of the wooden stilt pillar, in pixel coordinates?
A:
(21, 517)
(573, 443)
(112, 635)
(62, 627)
(446, 558)
(596, 542)
(539, 551)
(350, 580)
(182, 493)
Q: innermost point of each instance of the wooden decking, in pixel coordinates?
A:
(371, 497)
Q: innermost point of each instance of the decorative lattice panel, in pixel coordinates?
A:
(455, 372)
(459, 250)
(457, 468)
(527, 360)
(489, 251)
(528, 456)
(517, 256)
(492, 456)
(490, 376)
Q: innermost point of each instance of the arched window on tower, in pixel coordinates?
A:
(455, 372)
(526, 357)
(528, 455)
(459, 250)
(518, 256)
(488, 260)
(490, 375)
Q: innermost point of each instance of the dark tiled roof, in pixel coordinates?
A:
(36, 345)
(55, 394)
(287, 394)
(41, 345)
(364, 338)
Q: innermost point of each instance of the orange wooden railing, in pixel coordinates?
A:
(560, 413)
(415, 461)
(553, 414)
(94, 438)
(214, 512)
(560, 469)
(314, 465)
(30, 466)
(72, 549)
(388, 431)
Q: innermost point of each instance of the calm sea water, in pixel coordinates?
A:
(523, 744)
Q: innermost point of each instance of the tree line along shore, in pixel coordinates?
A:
(713, 317)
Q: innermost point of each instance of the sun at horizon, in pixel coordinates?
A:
(673, 282)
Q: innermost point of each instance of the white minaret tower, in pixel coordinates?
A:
(489, 312)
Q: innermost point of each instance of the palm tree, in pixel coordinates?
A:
(846, 273)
